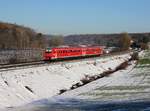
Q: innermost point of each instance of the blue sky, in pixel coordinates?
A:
(78, 16)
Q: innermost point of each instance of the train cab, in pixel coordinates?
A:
(47, 54)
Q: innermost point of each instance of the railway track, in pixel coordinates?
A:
(8, 67)
(20, 64)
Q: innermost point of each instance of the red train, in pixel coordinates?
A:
(67, 52)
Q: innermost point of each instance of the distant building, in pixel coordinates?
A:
(110, 49)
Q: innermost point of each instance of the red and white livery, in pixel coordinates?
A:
(69, 52)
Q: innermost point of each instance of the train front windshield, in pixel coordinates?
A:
(48, 51)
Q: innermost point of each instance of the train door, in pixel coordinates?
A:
(83, 51)
(54, 54)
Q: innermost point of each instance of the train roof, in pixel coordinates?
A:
(66, 47)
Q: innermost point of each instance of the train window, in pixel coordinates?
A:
(48, 51)
(60, 51)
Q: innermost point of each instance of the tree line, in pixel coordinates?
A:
(14, 36)
(126, 41)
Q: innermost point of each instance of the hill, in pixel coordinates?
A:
(103, 39)
(13, 36)
(16, 36)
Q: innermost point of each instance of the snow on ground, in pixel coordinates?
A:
(21, 86)
(124, 90)
(131, 84)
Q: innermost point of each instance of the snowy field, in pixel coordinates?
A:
(130, 84)
(124, 90)
(22, 86)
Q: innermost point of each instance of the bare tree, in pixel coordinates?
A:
(56, 41)
(20, 37)
(125, 41)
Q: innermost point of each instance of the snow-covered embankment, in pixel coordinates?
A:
(18, 87)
